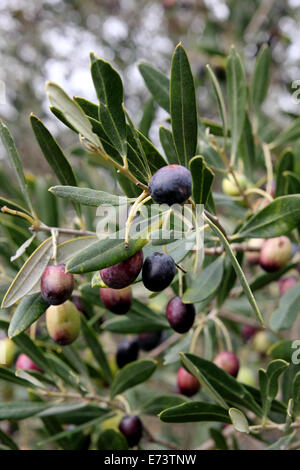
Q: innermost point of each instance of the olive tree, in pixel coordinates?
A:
(208, 223)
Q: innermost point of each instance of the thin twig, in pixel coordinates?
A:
(67, 231)
(167, 444)
(237, 318)
(238, 247)
(7, 210)
(76, 396)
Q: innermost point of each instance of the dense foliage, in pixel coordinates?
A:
(213, 316)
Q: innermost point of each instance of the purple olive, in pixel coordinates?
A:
(116, 300)
(149, 341)
(131, 427)
(124, 273)
(127, 351)
(56, 285)
(180, 316)
(286, 283)
(158, 272)
(63, 323)
(171, 184)
(275, 253)
(24, 362)
(187, 384)
(228, 362)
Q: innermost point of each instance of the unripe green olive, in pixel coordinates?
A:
(253, 256)
(63, 323)
(246, 376)
(262, 342)
(230, 187)
(7, 352)
(275, 253)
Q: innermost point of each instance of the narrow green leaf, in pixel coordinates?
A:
(64, 372)
(75, 430)
(167, 142)
(155, 159)
(247, 149)
(156, 405)
(67, 249)
(9, 376)
(206, 283)
(140, 319)
(71, 112)
(295, 393)
(147, 117)
(54, 155)
(195, 412)
(183, 106)
(7, 440)
(196, 165)
(28, 347)
(278, 218)
(29, 274)
(131, 375)
(224, 384)
(111, 250)
(32, 379)
(286, 163)
(53, 426)
(205, 148)
(106, 143)
(286, 314)
(134, 323)
(157, 83)
(287, 135)
(15, 161)
(282, 349)
(262, 280)
(238, 269)
(96, 348)
(268, 381)
(237, 98)
(228, 280)
(27, 312)
(202, 179)
(220, 99)
(20, 409)
(206, 384)
(89, 197)
(102, 254)
(12, 205)
(220, 441)
(89, 108)
(109, 89)
(261, 76)
(57, 409)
